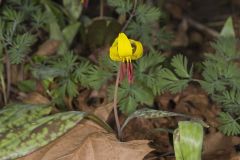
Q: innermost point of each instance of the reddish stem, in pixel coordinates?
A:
(115, 102)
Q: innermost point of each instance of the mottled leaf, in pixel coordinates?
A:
(31, 136)
(188, 140)
(151, 113)
(16, 115)
(87, 141)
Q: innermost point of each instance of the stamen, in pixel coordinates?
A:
(130, 72)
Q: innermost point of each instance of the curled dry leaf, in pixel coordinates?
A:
(35, 98)
(48, 48)
(104, 111)
(218, 146)
(88, 142)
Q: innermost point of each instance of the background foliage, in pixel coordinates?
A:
(24, 24)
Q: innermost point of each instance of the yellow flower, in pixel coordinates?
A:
(125, 50)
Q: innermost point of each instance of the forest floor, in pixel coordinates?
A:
(194, 24)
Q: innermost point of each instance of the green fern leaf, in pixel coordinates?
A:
(169, 81)
(122, 6)
(96, 77)
(147, 14)
(81, 71)
(21, 47)
(229, 125)
(128, 105)
(140, 31)
(179, 62)
(226, 47)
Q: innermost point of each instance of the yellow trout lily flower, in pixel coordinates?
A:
(125, 50)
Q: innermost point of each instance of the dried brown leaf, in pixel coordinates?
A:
(88, 142)
(104, 111)
(48, 48)
(35, 98)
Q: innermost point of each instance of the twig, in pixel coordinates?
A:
(131, 16)
(8, 72)
(101, 8)
(3, 89)
(115, 103)
(202, 27)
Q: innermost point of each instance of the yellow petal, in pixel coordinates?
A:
(114, 51)
(124, 46)
(138, 51)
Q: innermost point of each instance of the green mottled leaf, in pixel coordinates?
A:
(151, 113)
(188, 140)
(31, 136)
(16, 115)
(148, 114)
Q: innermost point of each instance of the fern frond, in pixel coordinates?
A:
(66, 62)
(39, 19)
(149, 61)
(147, 71)
(169, 81)
(107, 64)
(13, 15)
(229, 125)
(128, 105)
(21, 47)
(66, 88)
(179, 62)
(218, 76)
(122, 6)
(131, 96)
(81, 72)
(96, 77)
(226, 47)
(230, 101)
(146, 14)
(141, 32)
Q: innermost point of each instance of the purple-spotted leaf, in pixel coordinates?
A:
(23, 140)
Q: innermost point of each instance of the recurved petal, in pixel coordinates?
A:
(114, 53)
(138, 50)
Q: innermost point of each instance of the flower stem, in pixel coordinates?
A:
(115, 102)
(3, 89)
